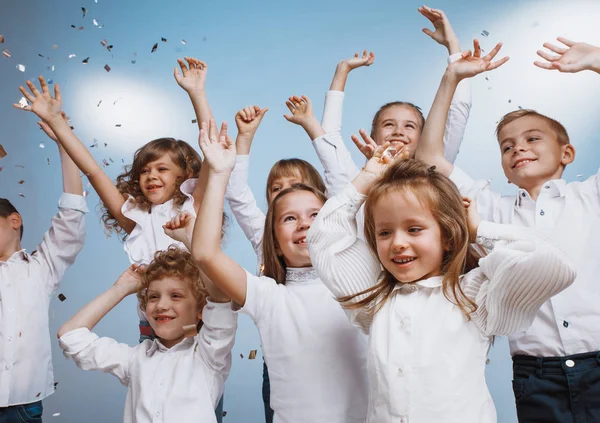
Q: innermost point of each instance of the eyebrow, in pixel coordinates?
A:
(522, 133)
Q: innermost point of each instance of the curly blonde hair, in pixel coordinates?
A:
(182, 154)
(176, 263)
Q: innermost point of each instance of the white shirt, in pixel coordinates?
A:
(180, 384)
(426, 359)
(27, 282)
(148, 235)
(316, 358)
(568, 213)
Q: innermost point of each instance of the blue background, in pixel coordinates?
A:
(258, 53)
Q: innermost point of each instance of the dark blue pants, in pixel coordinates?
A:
(26, 413)
(557, 389)
(266, 394)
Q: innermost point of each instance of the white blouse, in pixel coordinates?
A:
(316, 358)
(426, 359)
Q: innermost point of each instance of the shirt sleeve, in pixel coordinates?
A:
(261, 294)
(89, 352)
(523, 271)
(63, 241)
(480, 191)
(243, 204)
(458, 115)
(333, 111)
(343, 261)
(215, 340)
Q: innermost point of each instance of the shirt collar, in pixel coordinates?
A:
(555, 188)
(20, 254)
(158, 346)
(433, 282)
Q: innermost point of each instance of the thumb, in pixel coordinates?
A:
(288, 118)
(564, 67)
(176, 74)
(428, 32)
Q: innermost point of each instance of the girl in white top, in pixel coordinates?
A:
(316, 358)
(416, 288)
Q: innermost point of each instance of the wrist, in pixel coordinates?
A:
(342, 68)
(596, 63)
(453, 47)
(364, 180)
(122, 291)
(450, 77)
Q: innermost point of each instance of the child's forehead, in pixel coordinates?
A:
(522, 125)
(168, 283)
(399, 112)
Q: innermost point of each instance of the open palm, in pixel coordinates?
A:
(42, 103)
(575, 57)
(471, 63)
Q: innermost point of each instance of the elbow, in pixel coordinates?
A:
(63, 330)
(202, 254)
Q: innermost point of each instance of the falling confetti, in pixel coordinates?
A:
(109, 48)
(203, 38)
(510, 101)
(62, 297)
(1, 39)
(54, 46)
(242, 356)
(154, 47)
(50, 81)
(579, 176)
(85, 61)
(3, 152)
(73, 26)
(95, 22)
(41, 55)
(23, 102)
(42, 145)
(107, 68)
(48, 161)
(224, 413)
(6, 53)
(163, 39)
(21, 182)
(487, 361)
(183, 42)
(21, 195)
(252, 355)
(194, 120)
(38, 394)
(189, 331)
(20, 166)
(80, 28)
(105, 163)
(56, 415)
(99, 103)
(118, 125)
(86, 193)
(21, 68)
(84, 10)
(104, 43)
(133, 62)
(487, 78)
(55, 385)
(485, 33)
(72, 55)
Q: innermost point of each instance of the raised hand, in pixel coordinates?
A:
(472, 64)
(131, 279)
(575, 57)
(301, 108)
(48, 131)
(473, 218)
(383, 156)
(194, 74)
(443, 34)
(42, 103)
(217, 147)
(181, 228)
(248, 119)
(356, 61)
(366, 146)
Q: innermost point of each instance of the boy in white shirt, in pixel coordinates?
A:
(179, 376)
(556, 361)
(27, 282)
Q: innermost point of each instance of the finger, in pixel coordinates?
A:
(546, 65)
(184, 68)
(223, 131)
(549, 57)
(357, 142)
(244, 114)
(378, 153)
(262, 113)
(257, 110)
(18, 106)
(43, 85)
(213, 132)
(176, 74)
(366, 137)
(371, 58)
(290, 106)
(497, 63)
(203, 64)
(566, 41)
(33, 89)
(58, 97)
(476, 48)
(26, 94)
(556, 49)
(493, 52)
(564, 67)
(364, 55)
(306, 100)
(466, 54)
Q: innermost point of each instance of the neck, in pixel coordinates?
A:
(9, 250)
(534, 190)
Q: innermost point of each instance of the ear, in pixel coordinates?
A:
(15, 220)
(199, 315)
(568, 154)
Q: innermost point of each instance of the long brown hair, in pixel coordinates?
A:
(386, 106)
(182, 154)
(444, 201)
(274, 265)
(291, 168)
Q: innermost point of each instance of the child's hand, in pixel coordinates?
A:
(472, 64)
(48, 131)
(218, 148)
(473, 218)
(42, 104)
(302, 110)
(248, 119)
(194, 78)
(383, 156)
(181, 228)
(367, 146)
(131, 279)
(575, 58)
(357, 61)
(443, 34)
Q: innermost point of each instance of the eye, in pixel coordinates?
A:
(275, 189)
(384, 233)
(289, 218)
(162, 169)
(152, 297)
(314, 214)
(532, 139)
(387, 124)
(143, 171)
(411, 126)
(507, 149)
(414, 230)
(176, 296)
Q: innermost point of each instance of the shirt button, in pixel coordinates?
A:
(9, 338)
(403, 419)
(547, 187)
(7, 366)
(570, 363)
(522, 194)
(565, 323)
(158, 414)
(400, 370)
(542, 212)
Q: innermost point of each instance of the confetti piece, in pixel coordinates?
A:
(194, 120)
(42, 145)
(154, 47)
(20, 333)
(72, 55)
(50, 81)
(111, 160)
(21, 182)
(183, 42)
(3, 152)
(23, 102)
(20, 166)
(252, 355)
(579, 176)
(107, 68)
(118, 125)
(73, 26)
(38, 394)
(85, 61)
(133, 62)
(487, 361)
(105, 145)
(1, 39)
(109, 48)
(6, 53)
(54, 46)
(41, 55)
(189, 331)
(104, 43)
(487, 78)
(21, 68)
(21, 195)
(105, 163)
(510, 101)
(242, 356)
(84, 10)
(1, 168)
(62, 297)
(485, 33)
(80, 28)
(224, 413)
(203, 38)
(55, 385)
(86, 193)
(99, 103)
(56, 415)
(95, 22)
(48, 161)
(163, 39)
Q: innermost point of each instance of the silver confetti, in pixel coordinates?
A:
(42, 145)
(72, 55)
(21, 68)
(23, 102)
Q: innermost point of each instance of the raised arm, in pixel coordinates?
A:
(226, 274)
(181, 228)
(48, 108)
(574, 57)
(128, 283)
(431, 145)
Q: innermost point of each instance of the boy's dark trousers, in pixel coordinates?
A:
(557, 389)
(25, 413)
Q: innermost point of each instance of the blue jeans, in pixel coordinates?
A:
(266, 394)
(25, 413)
(557, 389)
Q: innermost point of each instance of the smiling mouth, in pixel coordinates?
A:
(153, 187)
(301, 242)
(163, 319)
(522, 163)
(404, 261)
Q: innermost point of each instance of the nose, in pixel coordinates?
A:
(520, 147)
(398, 130)
(304, 223)
(162, 304)
(399, 243)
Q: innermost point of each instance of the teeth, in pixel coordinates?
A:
(403, 260)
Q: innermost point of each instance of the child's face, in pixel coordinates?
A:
(171, 306)
(531, 153)
(400, 126)
(293, 217)
(158, 179)
(409, 240)
(282, 183)
(10, 234)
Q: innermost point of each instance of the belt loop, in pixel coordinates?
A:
(539, 362)
(598, 357)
